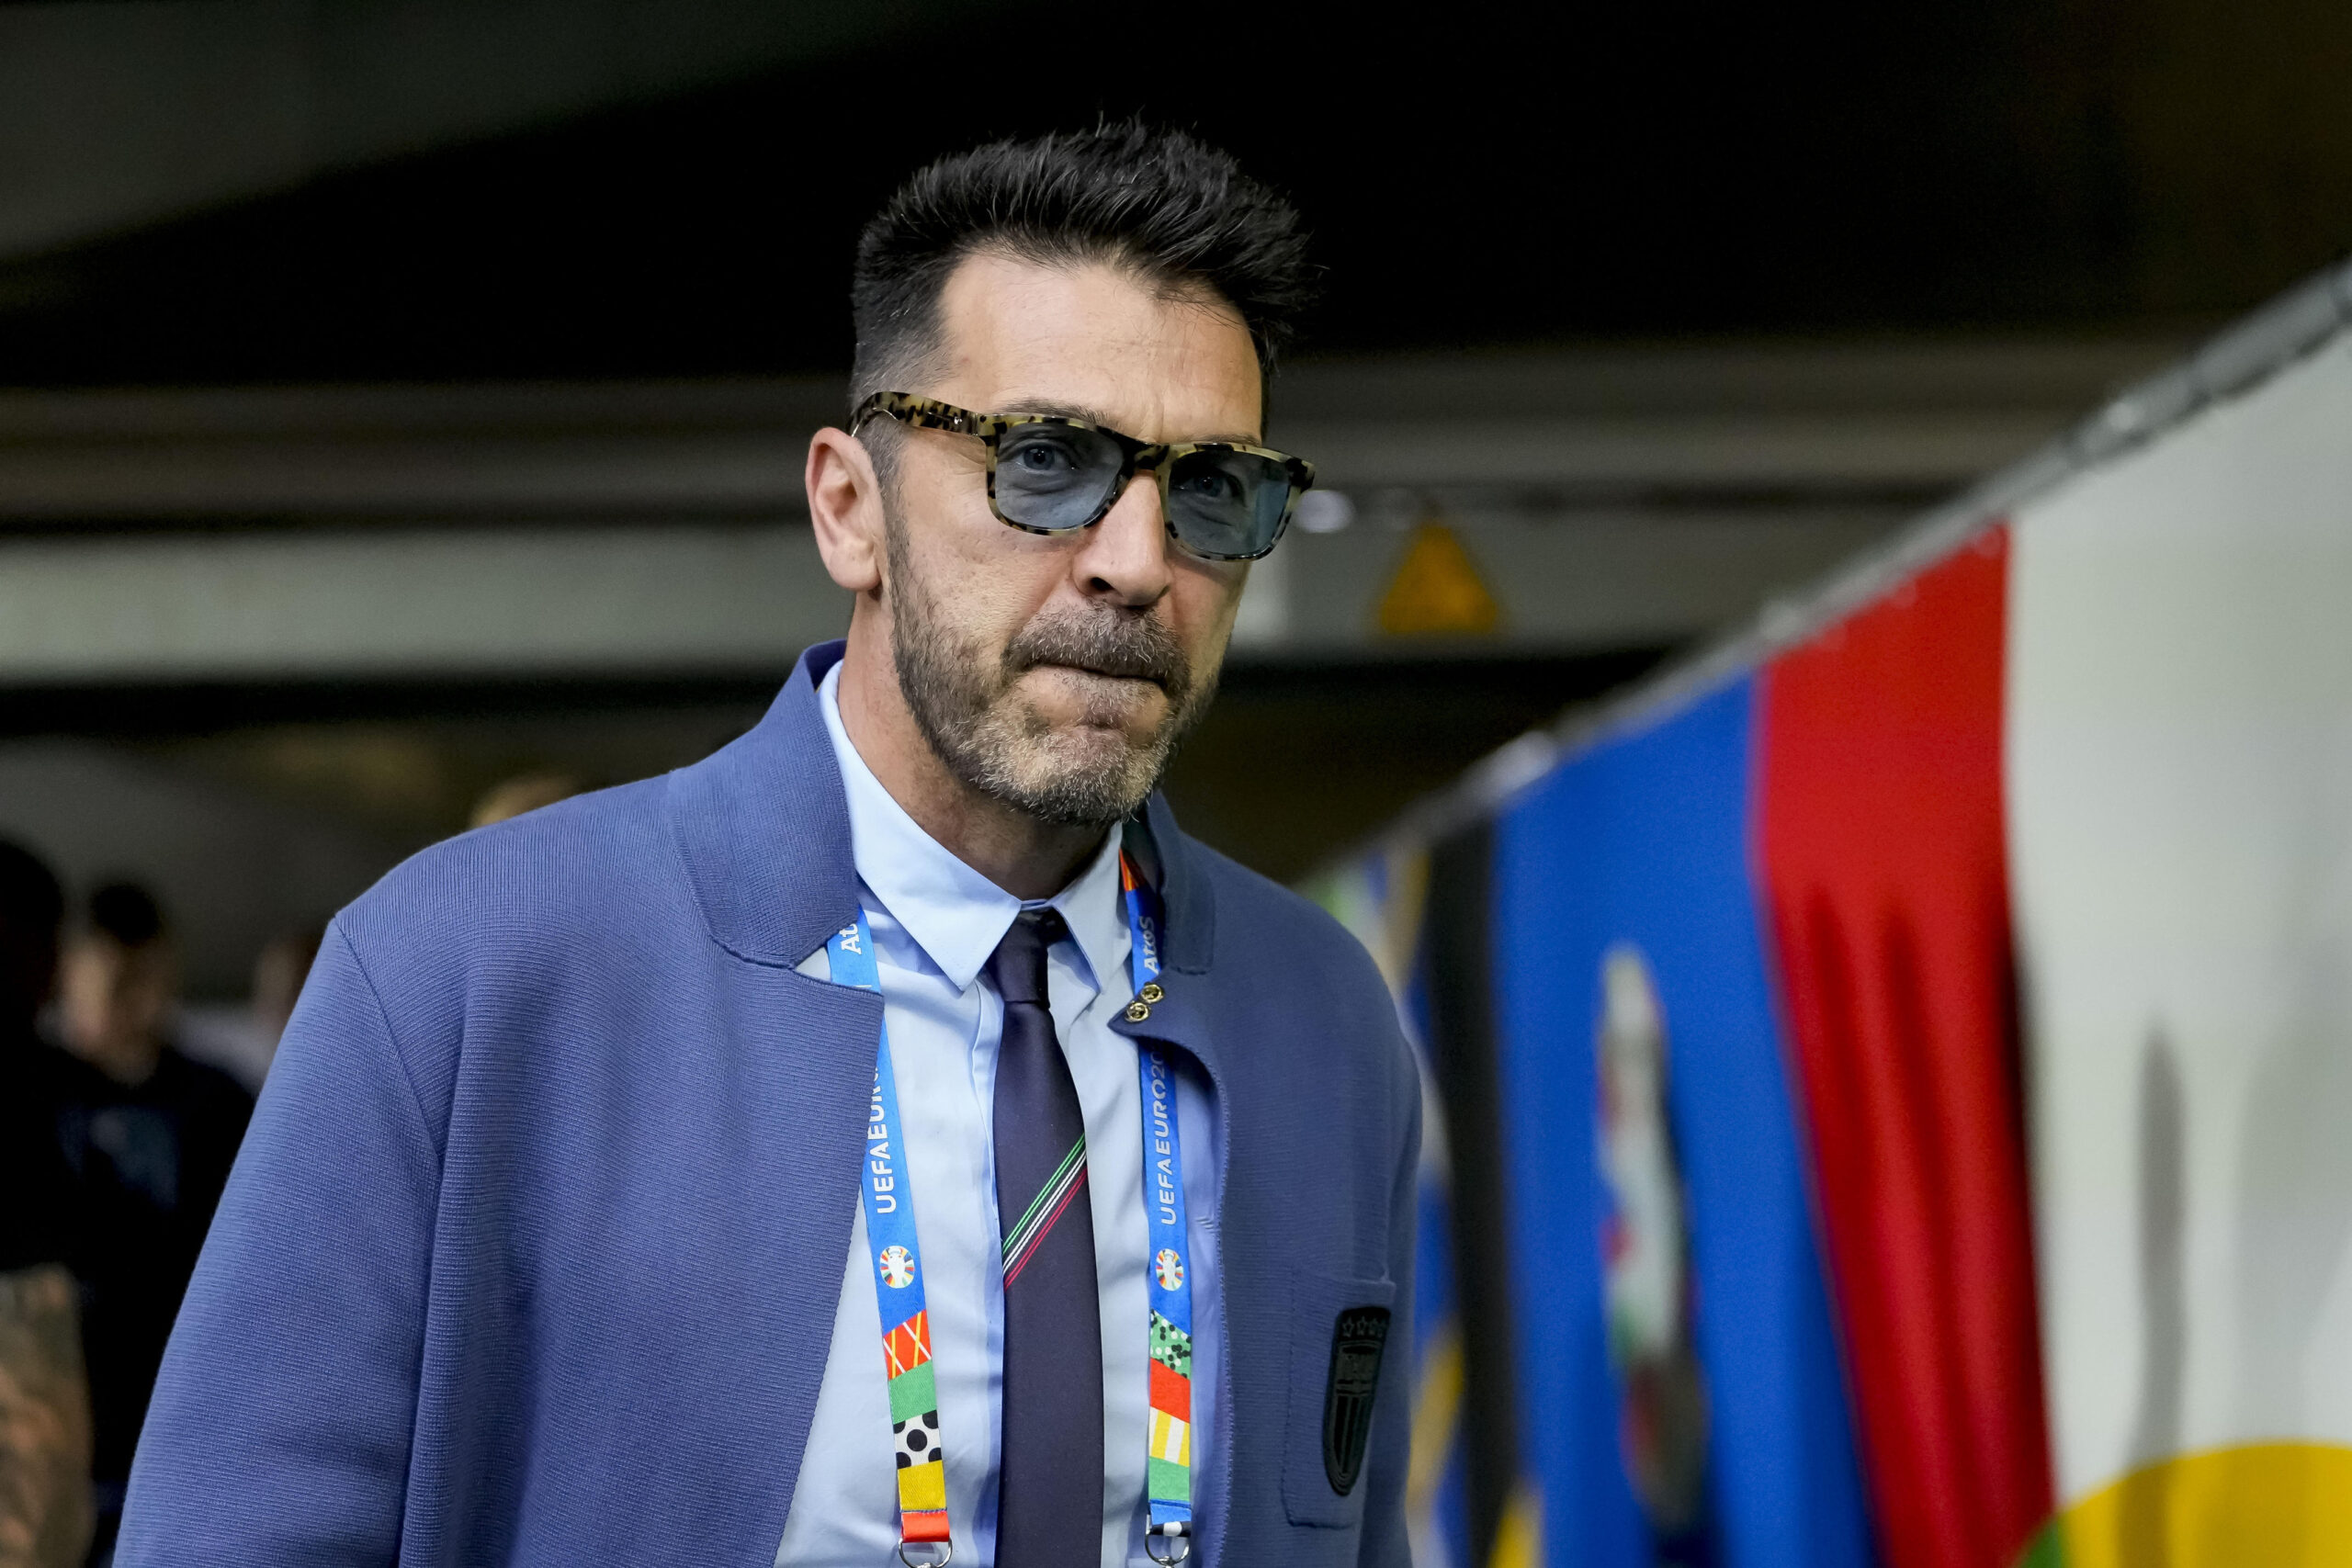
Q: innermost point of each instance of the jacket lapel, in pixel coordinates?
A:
(762, 829)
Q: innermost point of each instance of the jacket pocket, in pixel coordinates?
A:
(1337, 1354)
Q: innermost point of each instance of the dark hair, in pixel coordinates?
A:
(32, 906)
(1166, 204)
(126, 912)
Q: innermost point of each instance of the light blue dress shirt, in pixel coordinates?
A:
(936, 922)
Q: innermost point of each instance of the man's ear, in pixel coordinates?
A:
(845, 509)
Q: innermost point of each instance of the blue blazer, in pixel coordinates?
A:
(532, 1253)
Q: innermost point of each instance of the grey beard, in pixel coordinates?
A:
(959, 699)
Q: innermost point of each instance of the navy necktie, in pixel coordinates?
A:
(1049, 1511)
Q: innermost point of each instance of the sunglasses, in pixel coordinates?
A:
(1050, 475)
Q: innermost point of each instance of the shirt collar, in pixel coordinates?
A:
(954, 914)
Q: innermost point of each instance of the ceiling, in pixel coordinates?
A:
(393, 190)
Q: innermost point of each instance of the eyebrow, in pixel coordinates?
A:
(1054, 410)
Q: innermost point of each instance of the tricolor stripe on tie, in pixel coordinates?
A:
(1021, 1243)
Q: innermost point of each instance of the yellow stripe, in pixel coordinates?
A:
(923, 1487)
(1437, 1418)
(1518, 1539)
(1171, 1440)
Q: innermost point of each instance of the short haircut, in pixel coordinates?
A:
(1177, 211)
(127, 913)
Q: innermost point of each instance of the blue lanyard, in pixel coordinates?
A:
(890, 1202)
(1167, 1465)
(888, 1199)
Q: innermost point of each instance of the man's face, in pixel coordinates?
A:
(1057, 672)
(114, 1000)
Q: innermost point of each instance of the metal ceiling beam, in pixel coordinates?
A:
(1833, 419)
(1608, 500)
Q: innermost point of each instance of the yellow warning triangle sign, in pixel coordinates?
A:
(1436, 590)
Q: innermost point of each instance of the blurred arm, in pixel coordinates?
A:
(44, 1422)
(280, 1428)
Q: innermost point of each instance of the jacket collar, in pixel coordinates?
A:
(762, 828)
(1171, 862)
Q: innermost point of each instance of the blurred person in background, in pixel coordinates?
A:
(577, 1224)
(148, 1136)
(283, 964)
(242, 1040)
(44, 1401)
(526, 791)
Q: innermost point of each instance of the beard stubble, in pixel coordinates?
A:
(964, 701)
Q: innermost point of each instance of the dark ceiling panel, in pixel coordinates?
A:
(1672, 169)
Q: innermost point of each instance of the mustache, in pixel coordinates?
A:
(1135, 647)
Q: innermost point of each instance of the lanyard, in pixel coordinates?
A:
(888, 1197)
(1167, 1467)
(898, 1265)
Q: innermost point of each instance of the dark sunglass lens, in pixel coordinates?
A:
(1229, 504)
(1054, 475)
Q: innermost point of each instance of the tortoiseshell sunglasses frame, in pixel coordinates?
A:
(1158, 456)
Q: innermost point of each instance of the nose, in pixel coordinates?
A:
(1124, 558)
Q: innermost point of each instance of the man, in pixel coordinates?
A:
(598, 1211)
(44, 1404)
(148, 1136)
